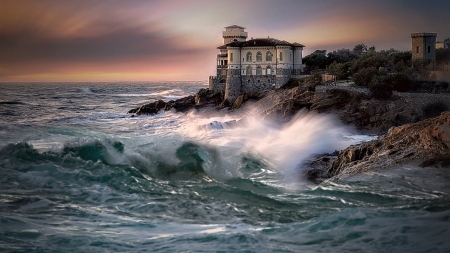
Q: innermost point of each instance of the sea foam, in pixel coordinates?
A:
(284, 146)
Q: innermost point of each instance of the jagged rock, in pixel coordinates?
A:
(151, 108)
(181, 105)
(427, 141)
(205, 96)
(244, 98)
(337, 99)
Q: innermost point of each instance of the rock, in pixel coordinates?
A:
(427, 141)
(151, 108)
(205, 96)
(244, 98)
(202, 98)
(181, 105)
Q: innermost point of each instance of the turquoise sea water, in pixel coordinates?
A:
(78, 174)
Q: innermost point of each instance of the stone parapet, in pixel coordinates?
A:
(415, 35)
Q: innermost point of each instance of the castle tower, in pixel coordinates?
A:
(424, 46)
(234, 33)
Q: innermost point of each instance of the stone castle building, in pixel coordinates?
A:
(260, 64)
(424, 47)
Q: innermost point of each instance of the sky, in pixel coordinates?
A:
(177, 40)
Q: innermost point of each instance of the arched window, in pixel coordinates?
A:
(249, 56)
(259, 57)
(249, 70)
(269, 70)
(258, 71)
(269, 56)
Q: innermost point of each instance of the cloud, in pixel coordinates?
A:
(72, 38)
(35, 37)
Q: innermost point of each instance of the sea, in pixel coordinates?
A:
(80, 174)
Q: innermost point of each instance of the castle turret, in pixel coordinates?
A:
(424, 46)
(234, 33)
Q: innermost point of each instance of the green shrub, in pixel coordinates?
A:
(364, 76)
(399, 81)
(379, 88)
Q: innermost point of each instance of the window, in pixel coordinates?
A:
(249, 56)
(259, 57)
(249, 70)
(429, 49)
(231, 56)
(268, 56)
(268, 70)
(258, 70)
(417, 49)
(281, 56)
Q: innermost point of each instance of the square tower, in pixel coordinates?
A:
(234, 33)
(424, 46)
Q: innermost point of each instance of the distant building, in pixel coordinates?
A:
(442, 45)
(424, 47)
(246, 66)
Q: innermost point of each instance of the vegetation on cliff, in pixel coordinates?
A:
(382, 71)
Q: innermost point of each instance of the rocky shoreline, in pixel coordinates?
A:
(406, 133)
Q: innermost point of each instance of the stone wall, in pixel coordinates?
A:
(252, 84)
(417, 101)
(233, 88)
(420, 100)
(442, 76)
(234, 84)
(217, 84)
(324, 88)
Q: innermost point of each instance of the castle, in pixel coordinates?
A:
(255, 65)
(424, 47)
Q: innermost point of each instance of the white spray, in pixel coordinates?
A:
(285, 146)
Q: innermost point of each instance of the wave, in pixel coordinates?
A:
(86, 91)
(170, 94)
(185, 162)
(284, 146)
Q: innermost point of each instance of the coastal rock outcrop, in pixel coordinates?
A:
(151, 108)
(353, 107)
(201, 98)
(244, 98)
(426, 142)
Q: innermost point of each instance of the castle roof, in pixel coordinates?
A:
(265, 42)
(235, 26)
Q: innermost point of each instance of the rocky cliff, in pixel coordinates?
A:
(352, 107)
(426, 142)
(411, 137)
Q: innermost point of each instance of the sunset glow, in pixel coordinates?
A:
(137, 40)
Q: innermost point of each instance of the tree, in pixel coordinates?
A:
(399, 82)
(341, 56)
(364, 76)
(379, 88)
(442, 54)
(341, 70)
(316, 60)
(360, 49)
